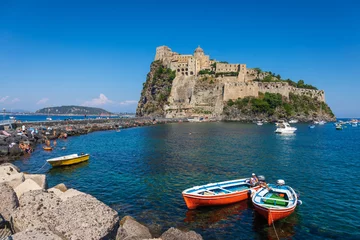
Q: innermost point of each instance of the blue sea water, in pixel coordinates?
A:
(142, 171)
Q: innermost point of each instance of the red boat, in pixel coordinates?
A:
(220, 193)
(277, 203)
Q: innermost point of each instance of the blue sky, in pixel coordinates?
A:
(98, 53)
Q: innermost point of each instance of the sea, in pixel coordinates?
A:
(40, 118)
(142, 172)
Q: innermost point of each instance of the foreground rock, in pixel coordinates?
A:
(78, 217)
(131, 229)
(10, 174)
(8, 199)
(36, 233)
(176, 234)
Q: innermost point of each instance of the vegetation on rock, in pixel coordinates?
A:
(73, 110)
(271, 105)
(156, 90)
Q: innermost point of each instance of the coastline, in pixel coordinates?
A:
(12, 140)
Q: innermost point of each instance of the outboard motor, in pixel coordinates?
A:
(280, 182)
(261, 178)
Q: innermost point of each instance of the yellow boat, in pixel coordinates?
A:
(68, 160)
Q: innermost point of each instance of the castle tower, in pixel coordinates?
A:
(163, 53)
(199, 52)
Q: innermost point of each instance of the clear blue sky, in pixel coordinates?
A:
(98, 52)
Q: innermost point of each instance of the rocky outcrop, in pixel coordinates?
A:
(156, 91)
(131, 229)
(8, 199)
(176, 234)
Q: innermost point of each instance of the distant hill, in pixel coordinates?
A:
(80, 110)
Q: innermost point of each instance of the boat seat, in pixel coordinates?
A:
(275, 200)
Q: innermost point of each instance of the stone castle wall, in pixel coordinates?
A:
(275, 87)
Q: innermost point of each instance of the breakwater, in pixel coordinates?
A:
(21, 138)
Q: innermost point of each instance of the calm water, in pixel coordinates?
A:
(142, 171)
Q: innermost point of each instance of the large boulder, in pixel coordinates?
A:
(61, 187)
(84, 217)
(4, 150)
(10, 174)
(176, 234)
(15, 151)
(27, 185)
(36, 233)
(79, 217)
(35, 210)
(40, 179)
(130, 229)
(8, 199)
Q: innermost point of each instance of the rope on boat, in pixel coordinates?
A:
(41, 167)
(272, 220)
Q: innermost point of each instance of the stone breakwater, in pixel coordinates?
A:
(32, 211)
(15, 142)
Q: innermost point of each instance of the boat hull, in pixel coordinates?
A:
(71, 161)
(272, 215)
(192, 201)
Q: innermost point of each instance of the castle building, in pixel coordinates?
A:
(188, 65)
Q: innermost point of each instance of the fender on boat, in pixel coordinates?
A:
(299, 202)
(251, 192)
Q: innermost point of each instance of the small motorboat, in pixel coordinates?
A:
(48, 119)
(285, 127)
(311, 126)
(68, 160)
(259, 123)
(338, 126)
(46, 148)
(277, 203)
(293, 121)
(12, 118)
(220, 193)
(322, 122)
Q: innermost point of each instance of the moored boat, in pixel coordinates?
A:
(277, 203)
(338, 126)
(311, 126)
(293, 121)
(284, 127)
(68, 160)
(259, 123)
(220, 193)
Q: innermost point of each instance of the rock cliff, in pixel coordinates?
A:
(156, 90)
(223, 97)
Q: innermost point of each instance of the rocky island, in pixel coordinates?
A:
(196, 86)
(73, 110)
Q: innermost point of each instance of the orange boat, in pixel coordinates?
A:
(220, 193)
(47, 148)
(277, 203)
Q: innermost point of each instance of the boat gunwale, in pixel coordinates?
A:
(58, 159)
(214, 186)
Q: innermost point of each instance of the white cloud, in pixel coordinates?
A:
(42, 101)
(102, 100)
(128, 102)
(15, 100)
(3, 99)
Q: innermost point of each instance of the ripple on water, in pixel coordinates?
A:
(142, 172)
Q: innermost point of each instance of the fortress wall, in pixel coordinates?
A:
(235, 90)
(275, 87)
(317, 94)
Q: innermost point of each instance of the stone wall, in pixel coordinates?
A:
(275, 87)
(235, 90)
(316, 94)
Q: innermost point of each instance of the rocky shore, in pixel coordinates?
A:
(14, 142)
(31, 211)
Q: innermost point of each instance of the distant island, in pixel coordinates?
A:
(193, 85)
(73, 110)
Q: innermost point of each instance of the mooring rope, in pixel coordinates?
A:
(272, 220)
(41, 167)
